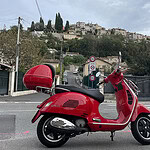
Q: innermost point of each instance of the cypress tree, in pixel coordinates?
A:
(67, 26)
(56, 22)
(41, 24)
(41, 20)
(32, 26)
(60, 23)
(49, 26)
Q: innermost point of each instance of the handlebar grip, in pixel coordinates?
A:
(118, 70)
(100, 83)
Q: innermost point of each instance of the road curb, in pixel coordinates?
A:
(21, 93)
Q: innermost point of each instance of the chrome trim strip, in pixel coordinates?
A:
(59, 88)
(121, 124)
(41, 87)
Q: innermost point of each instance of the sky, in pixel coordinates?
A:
(131, 15)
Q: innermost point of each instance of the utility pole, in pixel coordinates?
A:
(61, 58)
(17, 53)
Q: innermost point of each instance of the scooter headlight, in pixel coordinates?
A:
(48, 104)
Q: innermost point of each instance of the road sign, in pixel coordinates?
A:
(92, 58)
(92, 78)
(92, 66)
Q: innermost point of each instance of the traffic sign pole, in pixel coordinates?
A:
(92, 67)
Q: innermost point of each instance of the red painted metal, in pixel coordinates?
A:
(40, 75)
(140, 109)
(88, 108)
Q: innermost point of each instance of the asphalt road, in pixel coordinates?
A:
(18, 133)
(72, 79)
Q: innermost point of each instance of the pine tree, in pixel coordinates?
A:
(67, 26)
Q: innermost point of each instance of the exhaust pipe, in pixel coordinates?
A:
(65, 126)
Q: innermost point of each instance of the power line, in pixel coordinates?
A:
(8, 20)
(24, 25)
(26, 21)
(38, 8)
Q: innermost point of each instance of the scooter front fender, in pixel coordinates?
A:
(140, 109)
(39, 113)
(36, 116)
(67, 103)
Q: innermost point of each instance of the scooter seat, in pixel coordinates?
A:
(93, 93)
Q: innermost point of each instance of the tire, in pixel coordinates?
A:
(47, 136)
(141, 129)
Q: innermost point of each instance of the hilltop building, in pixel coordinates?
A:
(81, 29)
(105, 63)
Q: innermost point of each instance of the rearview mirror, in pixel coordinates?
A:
(119, 57)
(119, 60)
(98, 74)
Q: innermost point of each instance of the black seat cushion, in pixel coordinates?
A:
(94, 93)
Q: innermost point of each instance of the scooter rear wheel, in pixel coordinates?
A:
(47, 136)
(141, 129)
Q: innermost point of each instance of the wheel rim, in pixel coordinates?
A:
(50, 135)
(143, 127)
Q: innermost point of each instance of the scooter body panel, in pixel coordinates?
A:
(96, 122)
(125, 109)
(77, 104)
(67, 103)
(140, 109)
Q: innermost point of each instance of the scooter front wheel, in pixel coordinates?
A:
(141, 129)
(47, 136)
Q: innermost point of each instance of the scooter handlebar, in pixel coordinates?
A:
(100, 83)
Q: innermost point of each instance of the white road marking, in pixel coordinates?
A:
(20, 102)
(32, 102)
(3, 102)
(17, 111)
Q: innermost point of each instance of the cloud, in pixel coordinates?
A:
(132, 15)
(146, 6)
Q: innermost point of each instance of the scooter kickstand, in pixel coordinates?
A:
(112, 135)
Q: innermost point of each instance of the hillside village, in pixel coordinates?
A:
(47, 45)
(80, 29)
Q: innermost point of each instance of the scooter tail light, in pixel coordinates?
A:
(71, 103)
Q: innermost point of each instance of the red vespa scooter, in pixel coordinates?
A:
(73, 111)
